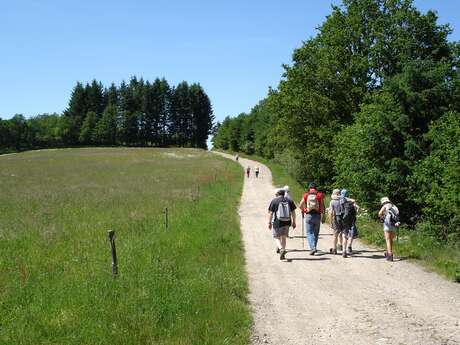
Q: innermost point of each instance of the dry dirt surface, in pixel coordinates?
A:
(327, 299)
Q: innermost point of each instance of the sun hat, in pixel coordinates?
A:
(335, 194)
(286, 188)
(384, 200)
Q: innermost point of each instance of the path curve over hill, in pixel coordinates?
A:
(326, 299)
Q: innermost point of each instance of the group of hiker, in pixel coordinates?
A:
(256, 171)
(341, 215)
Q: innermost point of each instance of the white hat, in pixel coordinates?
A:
(335, 194)
(286, 188)
(384, 200)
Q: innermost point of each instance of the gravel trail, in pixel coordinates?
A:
(326, 299)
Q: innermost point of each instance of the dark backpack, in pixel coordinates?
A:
(349, 213)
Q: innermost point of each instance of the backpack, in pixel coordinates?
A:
(283, 213)
(312, 203)
(393, 216)
(348, 213)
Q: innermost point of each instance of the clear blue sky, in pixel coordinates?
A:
(233, 48)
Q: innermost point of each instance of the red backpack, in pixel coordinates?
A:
(313, 201)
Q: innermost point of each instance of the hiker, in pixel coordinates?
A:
(342, 215)
(237, 157)
(257, 172)
(248, 171)
(335, 219)
(349, 220)
(312, 206)
(353, 229)
(281, 215)
(389, 215)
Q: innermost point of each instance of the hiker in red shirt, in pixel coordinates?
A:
(312, 206)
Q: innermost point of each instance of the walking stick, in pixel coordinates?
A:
(303, 234)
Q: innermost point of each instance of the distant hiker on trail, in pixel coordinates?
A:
(281, 215)
(257, 172)
(248, 171)
(312, 206)
(237, 157)
(389, 214)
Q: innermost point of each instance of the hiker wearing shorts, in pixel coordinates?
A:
(389, 226)
(335, 219)
(350, 230)
(312, 206)
(353, 229)
(248, 171)
(257, 172)
(281, 215)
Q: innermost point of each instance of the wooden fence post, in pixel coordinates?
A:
(114, 252)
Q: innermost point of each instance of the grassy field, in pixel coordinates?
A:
(442, 259)
(181, 285)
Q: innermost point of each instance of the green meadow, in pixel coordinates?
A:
(184, 284)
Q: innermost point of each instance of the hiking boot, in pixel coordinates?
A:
(313, 251)
(390, 257)
(333, 251)
(282, 254)
(339, 247)
(350, 250)
(277, 250)
(385, 254)
(344, 254)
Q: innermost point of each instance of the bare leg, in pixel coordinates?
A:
(283, 242)
(278, 243)
(389, 241)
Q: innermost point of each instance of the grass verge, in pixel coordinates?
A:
(443, 259)
(181, 285)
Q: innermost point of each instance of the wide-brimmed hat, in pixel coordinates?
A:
(384, 200)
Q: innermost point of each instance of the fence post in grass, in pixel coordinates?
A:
(114, 252)
(166, 218)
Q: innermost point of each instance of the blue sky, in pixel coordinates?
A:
(233, 48)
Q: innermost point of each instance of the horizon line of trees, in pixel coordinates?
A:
(371, 104)
(137, 113)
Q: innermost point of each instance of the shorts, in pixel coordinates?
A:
(353, 232)
(337, 225)
(281, 231)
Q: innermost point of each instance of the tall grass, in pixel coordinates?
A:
(184, 285)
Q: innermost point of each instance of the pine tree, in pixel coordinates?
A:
(105, 132)
(76, 113)
(87, 129)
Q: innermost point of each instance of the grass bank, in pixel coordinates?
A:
(181, 285)
(443, 259)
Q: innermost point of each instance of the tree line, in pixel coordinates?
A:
(137, 113)
(371, 104)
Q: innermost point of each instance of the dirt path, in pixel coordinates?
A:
(326, 299)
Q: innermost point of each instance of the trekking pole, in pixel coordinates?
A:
(303, 234)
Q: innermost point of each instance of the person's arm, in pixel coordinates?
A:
(301, 205)
(293, 219)
(270, 217)
(382, 212)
